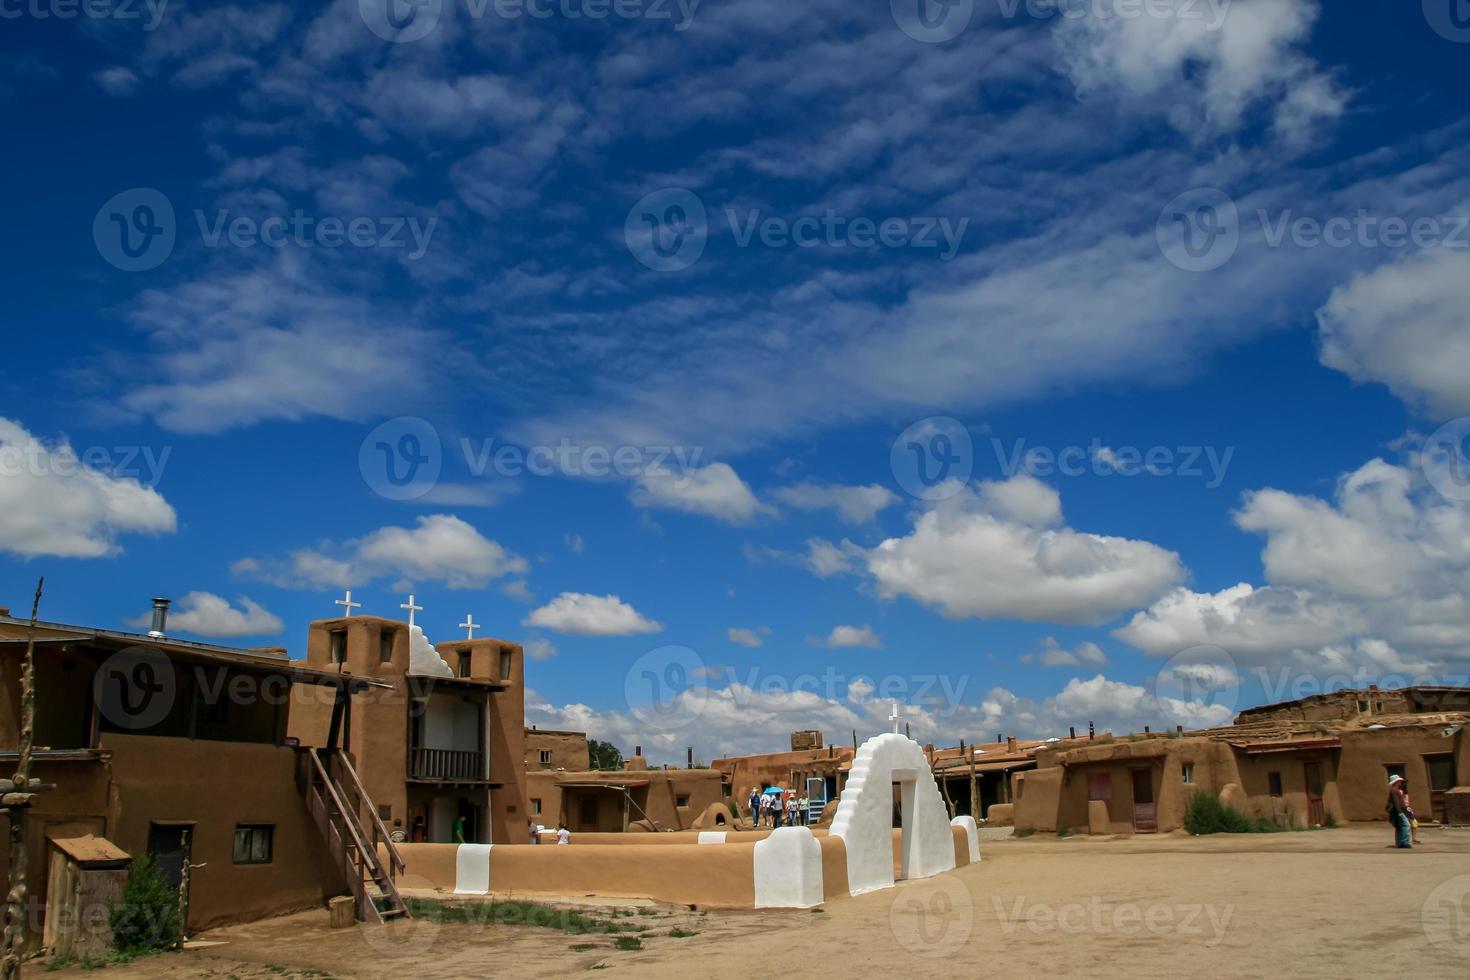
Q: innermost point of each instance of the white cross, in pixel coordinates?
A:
(894, 718)
(347, 602)
(411, 609)
(469, 626)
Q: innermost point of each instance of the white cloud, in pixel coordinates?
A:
(574, 543)
(1403, 325)
(822, 558)
(206, 614)
(854, 505)
(589, 615)
(843, 637)
(52, 502)
(538, 648)
(116, 81)
(747, 637)
(997, 553)
(715, 491)
(1053, 654)
(439, 548)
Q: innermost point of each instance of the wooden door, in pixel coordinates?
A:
(1316, 812)
(1145, 810)
(169, 846)
(587, 814)
(1441, 770)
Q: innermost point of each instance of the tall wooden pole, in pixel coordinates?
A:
(16, 802)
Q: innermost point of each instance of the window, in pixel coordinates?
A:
(339, 646)
(385, 811)
(535, 807)
(1273, 782)
(505, 665)
(385, 647)
(253, 843)
(546, 757)
(681, 800)
(1188, 771)
(1362, 707)
(1396, 769)
(464, 663)
(1099, 786)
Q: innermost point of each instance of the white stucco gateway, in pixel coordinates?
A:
(864, 818)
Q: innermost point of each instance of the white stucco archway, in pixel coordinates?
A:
(864, 818)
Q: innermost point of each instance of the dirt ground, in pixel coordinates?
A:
(1331, 903)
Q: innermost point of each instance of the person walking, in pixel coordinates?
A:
(563, 835)
(1398, 812)
(1413, 818)
(755, 807)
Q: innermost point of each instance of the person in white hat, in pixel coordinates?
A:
(1398, 811)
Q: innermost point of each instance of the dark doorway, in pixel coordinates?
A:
(587, 814)
(1145, 810)
(168, 846)
(1316, 812)
(1441, 769)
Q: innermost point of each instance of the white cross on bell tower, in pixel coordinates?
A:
(411, 609)
(894, 717)
(469, 626)
(348, 604)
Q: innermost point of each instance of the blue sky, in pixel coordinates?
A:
(758, 254)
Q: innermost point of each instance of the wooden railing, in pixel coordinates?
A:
(450, 765)
(340, 824)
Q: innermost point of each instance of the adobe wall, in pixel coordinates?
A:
(1363, 778)
(756, 772)
(568, 751)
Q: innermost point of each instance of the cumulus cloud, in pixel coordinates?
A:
(843, 637)
(715, 491)
(1002, 551)
(822, 558)
(116, 81)
(580, 614)
(538, 648)
(748, 637)
(439, 548)
(1403, 325)
(854, 505)
(206, 614)
(53, 502)
(1053, 654)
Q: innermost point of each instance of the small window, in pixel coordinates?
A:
(339, 646)
(385, 811)
(1100, 786)
(535, 807)
(1362, 707)
(505, 665)
(385, 647)
(1273, 783)
(681, 800)
(545, 757)
(1396, 769)
(464, 663)
(253, 844)
(1188, 772)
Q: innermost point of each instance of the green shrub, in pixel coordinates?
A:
(1207, 815)
(147, 918)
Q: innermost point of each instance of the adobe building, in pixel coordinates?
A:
(177, 750)
(806, 768)
(1314, 761)
(563, 788)
(439, 738)
(973, 779)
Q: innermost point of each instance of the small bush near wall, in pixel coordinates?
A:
(147, 918)
(1207, 815)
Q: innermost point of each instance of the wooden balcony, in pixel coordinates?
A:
(446, 765)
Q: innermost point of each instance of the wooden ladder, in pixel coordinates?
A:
(336, 799)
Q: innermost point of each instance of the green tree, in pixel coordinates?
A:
(604, 755)
(148, 916)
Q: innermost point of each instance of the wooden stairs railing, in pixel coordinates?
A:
(336, 799)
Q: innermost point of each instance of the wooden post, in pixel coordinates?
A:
(15, 900)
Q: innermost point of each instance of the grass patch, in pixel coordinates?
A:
(517, 913)
(1022, 832)
(677, 933)
(1064, 831)
(581, 947)
(628, 943)
(1207, 815)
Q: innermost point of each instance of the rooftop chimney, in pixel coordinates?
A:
(160, 618)
(1011, 743)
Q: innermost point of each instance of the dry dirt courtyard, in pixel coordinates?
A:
(1330, 903)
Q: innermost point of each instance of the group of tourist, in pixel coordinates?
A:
(778, 810)
(1401, 813)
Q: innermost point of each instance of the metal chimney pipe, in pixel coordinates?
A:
(160, 617)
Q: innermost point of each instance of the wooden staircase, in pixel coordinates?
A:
(337, 802)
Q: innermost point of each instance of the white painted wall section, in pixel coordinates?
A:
(972, 832)
(712, 836)
(864, 818)
(472, 869)
(788, 870)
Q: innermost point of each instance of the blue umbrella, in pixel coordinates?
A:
(774, 791)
